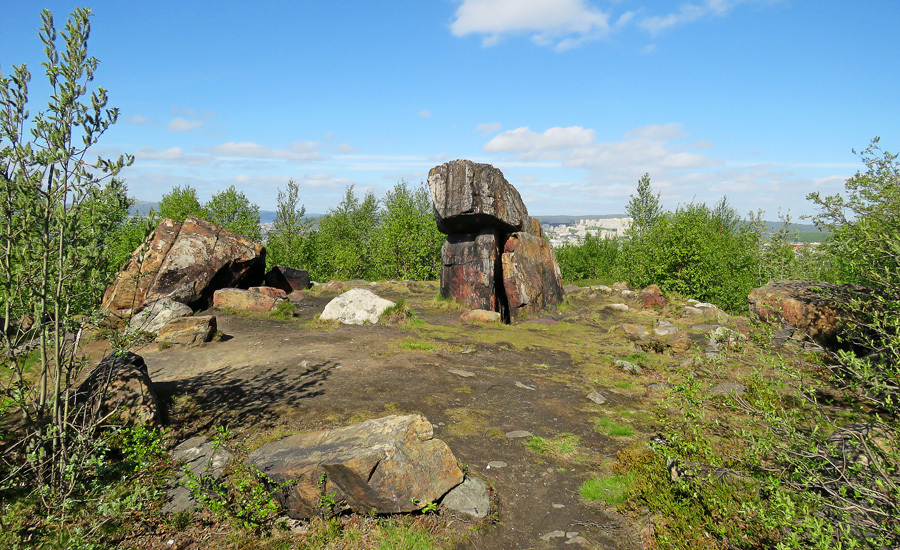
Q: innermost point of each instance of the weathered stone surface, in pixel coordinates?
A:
(127, 292)
(120, 386)
(468, 267)
(531, 277)
(471, 498)
(155, 316)
(634, 332)
(199, 456)
(188, 331)
(356, 307)
(249, 301)
(469, 197)
(186, 263)
(288, 279)
(652, 297)
(335, 286)
(205, 258)
(386, 465)
(270, 291)
(817, 309)
(480, 316)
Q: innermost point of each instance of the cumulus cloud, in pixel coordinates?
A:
(563, 24)
(425, 113)
(529, 145)
(179, 124)
(488, 128)
(173, 156)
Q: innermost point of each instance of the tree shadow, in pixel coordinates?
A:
(245, 397)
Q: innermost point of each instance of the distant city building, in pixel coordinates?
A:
(560, 234)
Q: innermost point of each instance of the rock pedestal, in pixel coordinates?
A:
(495, 257)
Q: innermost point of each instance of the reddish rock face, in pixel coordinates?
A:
(818, 309)
(186, 263)
(469, 267)
(252, 301)
(531, 277)
(652, 297)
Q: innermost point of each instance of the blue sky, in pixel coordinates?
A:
(758, 100)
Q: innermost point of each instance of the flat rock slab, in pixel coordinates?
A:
(596, 397)
(357, 306)
(386, 465)
(189, 331)
(155, 316)
(462, 373)
(518, 434)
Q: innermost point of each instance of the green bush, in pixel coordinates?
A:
(407, 243)
(593, 258)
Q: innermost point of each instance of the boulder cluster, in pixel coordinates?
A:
(496, 257)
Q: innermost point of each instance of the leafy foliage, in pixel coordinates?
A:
(344, 241)
(407, 242)
(231, 210)
(179, 203)
(291, 241)
(644, 209)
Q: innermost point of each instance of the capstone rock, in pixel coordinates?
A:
(469, 197)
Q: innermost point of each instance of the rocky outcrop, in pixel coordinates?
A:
(357, 306)
(186, 263)
(119, 390)
(495, 257)
(819, 310)
(383, 466)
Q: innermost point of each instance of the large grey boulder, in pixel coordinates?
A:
(469, 197)
(156, 315)
(357, 306)
(386, 465)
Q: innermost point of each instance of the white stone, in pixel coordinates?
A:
(156, 315)
(357, 306)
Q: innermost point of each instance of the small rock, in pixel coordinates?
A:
(523, 386)
(471, 497)
(658, 386)
(480, 316)
(705, 328)
(627, 293)
(690, 310)
(704, 305)
(618, 307)
(463, 373)
(559, 506)
(596, 397)
(553, 535)
(578, 540)
(665, 330)
(601, 288)
(571, 534)
(496, 464)
(628, 366)
(634, 332)
(518, 434)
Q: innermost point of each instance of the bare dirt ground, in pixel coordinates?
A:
(475, 383)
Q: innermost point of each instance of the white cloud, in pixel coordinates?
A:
(179, 124)
(425, 113)
(530, 145)
(488, 128)
(173, 156)
(688, 13)
(345, 149)
(298, 151)
(563, 24)
(138, 119)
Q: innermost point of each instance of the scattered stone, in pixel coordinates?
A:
(665, 330)
(462, 373)
(628, 366)
(518, 434)
(496, 464)
(618, 307)
(679, 342)
(705, 328)
(155, 316)
(601, 288)
(185, 262)
(571, 534)
(658, 386)
(559, 506)
(634, 332)
(188, 331)
(728, 388)
(249, 301)
(480, 316)
(384, 466)
(357, 306)
(620, 285)
(201, 458)
(471, 497)
(553, 535)
(578, 540)
(119, 388)
(724, 338)
(523, 386)
(626, 293)
(288, 279)
(690, 310)
(596, 397)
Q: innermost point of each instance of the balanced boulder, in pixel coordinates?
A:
(496, 257)
(384, 466)
(185, 262)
